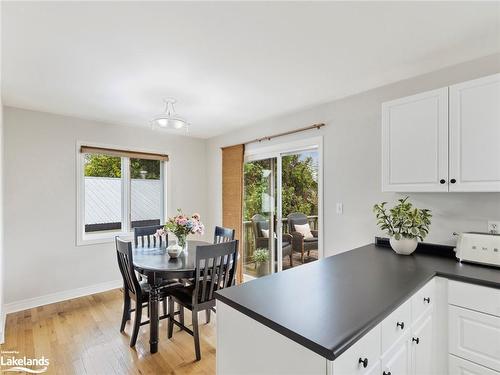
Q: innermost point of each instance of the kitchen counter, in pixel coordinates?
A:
(327, 305)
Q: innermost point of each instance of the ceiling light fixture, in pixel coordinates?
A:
(169, 118)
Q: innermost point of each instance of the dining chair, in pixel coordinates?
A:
(215, 270)
(301, 244)
(134, 290)
(147, 233)
(223, 234)
(260, 224)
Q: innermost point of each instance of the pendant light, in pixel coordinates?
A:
(169, 118)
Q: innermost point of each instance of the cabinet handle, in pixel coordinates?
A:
(442, 181)
(427, 299)
(364, 362)
(453, 180)
(416, 340)
(386, 373)
(402, 325)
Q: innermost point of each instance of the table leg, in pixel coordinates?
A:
(153, 314)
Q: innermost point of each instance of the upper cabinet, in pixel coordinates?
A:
(475, 135)
(415, 142)
(443, 140)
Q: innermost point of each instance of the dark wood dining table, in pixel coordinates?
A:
(157, 265)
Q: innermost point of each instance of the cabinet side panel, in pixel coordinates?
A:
(245, 346)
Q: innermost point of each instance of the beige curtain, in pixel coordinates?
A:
(232, 196)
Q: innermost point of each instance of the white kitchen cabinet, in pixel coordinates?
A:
(471, 339)
(397, 360)
(422, 343)
(459, 366)
(473, 329)
(415, 142)
(443, 140)
(475, 135)
(362, 357)
(475, 336)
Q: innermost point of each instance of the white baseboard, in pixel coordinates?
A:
(47, 299)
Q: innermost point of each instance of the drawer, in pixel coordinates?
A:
(459, 366)
(474, 297)
(474, 336)
(368, 347)
(423, 300)
(396, 325)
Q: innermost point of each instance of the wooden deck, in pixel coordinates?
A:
(81, 336)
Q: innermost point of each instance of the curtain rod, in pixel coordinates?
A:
(269, 137)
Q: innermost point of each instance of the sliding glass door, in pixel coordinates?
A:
(281, 206)
(259, 205)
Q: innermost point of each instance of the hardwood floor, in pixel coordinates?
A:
(81, 336)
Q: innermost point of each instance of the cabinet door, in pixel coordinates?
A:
(415, 142)
(459, 366)
(422, 347)
(474, 336)
(397, 360)
(475, 135)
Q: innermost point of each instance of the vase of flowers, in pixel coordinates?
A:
(182, 225)
(404, 224)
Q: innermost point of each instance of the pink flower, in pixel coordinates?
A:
(160, 233)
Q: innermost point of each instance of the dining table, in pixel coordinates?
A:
(155, 263)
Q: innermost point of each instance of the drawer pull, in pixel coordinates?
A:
(427, 299)
(401, 324)
(415, 339)
(364, 362)
(386, 373)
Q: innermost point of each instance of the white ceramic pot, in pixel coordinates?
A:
(404, 246)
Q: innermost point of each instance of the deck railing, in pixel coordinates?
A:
(249, 238)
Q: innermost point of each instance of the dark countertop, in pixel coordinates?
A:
(329, 304)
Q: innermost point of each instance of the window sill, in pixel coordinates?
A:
(101, 238)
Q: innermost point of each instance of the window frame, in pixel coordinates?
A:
(83, 238)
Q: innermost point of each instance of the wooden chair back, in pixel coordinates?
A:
(126, 265)
(215, 270)
(223, 234)
(149, 234)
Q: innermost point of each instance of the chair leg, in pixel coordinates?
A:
(207, 313)
(181, 314)
(309, 253)
(302, 255)
(165, 301)
(291, 260)
(126, 311)
(137, 323)
(196, 335)
(171, 312)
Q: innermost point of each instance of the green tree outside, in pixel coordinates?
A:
(101, 165)
(299, 186)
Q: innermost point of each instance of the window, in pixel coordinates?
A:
(118, 191)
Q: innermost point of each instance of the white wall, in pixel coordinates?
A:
(352, 163)
(40, 183)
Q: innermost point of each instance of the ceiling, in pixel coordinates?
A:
(228, 64)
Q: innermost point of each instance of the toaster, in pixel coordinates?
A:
(482, 248)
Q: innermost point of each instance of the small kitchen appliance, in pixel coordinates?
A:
(476, 247)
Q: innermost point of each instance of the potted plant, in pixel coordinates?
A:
(404, 224)
(261, 259)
